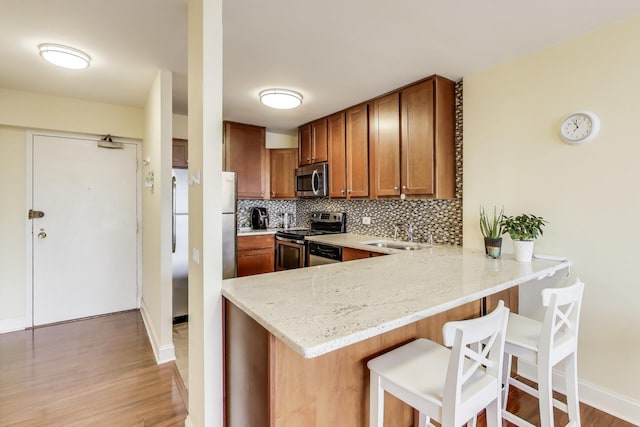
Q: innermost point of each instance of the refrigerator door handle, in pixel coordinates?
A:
(173, 215)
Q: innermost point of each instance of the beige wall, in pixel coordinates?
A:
(514, 157)
(12, 228)
(205, 215)
(156, 218)
(19, 111)
(180, 126)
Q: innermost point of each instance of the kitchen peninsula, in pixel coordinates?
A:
(297, 341)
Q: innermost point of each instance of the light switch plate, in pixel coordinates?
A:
(366, 220)
(196, 256)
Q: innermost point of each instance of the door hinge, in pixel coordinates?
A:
(35, 214)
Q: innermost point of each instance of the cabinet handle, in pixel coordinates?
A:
(349, 190)
(342, 191)
(395, 188)
(404, 187)
(308, 158)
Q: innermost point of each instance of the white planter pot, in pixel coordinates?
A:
(523, 250)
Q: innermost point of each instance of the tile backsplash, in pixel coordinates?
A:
(440, 218)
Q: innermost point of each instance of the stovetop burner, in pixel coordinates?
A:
(322, 222)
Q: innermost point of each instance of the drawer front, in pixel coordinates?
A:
(256, 242)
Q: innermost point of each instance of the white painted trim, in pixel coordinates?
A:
(12, 325)
(162, 354)
(188, 422)
(28, 318)
(593, 395)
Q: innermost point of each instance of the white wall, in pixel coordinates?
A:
(281, 139)
(205, 215)
(156, 219)
(19, 111)
(12, 228)
(180, 126)
(514, 157)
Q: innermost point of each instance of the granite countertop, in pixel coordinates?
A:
(316, 310)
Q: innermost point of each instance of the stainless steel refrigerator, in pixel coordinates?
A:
(228, 200)
(180, 243)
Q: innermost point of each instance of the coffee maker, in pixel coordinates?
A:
(259, 219)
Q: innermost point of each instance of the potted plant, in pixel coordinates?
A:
(523, 230)
(492, 230)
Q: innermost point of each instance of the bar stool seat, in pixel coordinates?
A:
(448, 385)
(544, 345)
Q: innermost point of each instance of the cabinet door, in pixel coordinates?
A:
(350, 254)
(336, 156)
(180, 153)
(418, 161)
(319, 141)
(283, 167)
(245, 153)
(384, 147)
(256, 254)
(304, 145)
(357, 142)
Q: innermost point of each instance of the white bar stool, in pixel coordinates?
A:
(545, 344)
(448, 385)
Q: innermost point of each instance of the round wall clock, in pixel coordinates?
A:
(579, 127)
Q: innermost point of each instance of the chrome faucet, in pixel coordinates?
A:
(410, 232)
(395, 231)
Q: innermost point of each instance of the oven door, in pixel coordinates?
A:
(290, 253)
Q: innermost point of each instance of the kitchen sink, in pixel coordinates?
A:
(393, 244)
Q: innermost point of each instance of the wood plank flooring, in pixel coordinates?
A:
(101, 372)
(94, 372)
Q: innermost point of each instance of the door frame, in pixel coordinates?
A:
(29, 205)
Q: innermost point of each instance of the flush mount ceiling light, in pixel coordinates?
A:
(64, 56)
(281, 99)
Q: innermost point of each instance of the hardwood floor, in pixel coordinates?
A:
(95, 372)
(101, 372)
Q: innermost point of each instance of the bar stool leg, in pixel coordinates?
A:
(376, 401)
(571, 376)
(545, 393)
(506, 373)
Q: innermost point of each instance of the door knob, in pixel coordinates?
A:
(42, 235)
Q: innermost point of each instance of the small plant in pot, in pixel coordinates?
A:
(524, 230)
(492, 230)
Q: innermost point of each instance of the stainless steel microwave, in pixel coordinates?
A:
(312, 181)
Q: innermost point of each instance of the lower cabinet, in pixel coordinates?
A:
(256, 254)
(350, 254)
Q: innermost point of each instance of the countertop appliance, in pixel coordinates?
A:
(312, 181)
(179, 243)
(291, 245)
(259, 218)
(228, 200)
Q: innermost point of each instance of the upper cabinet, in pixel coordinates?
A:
(337, 155)
(245, 153)
(283, 166)
(180, 154)
(357, 144)
(349, 153)
(412, 141)
(312, 142)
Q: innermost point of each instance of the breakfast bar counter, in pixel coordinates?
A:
(297, 341)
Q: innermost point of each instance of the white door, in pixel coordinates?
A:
(85, 245)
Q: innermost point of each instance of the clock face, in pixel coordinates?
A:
(579, 127)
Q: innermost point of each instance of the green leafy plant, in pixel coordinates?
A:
(491, 228)
(523, 227)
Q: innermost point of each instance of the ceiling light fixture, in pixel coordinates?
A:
(64, 56)
(281, 99)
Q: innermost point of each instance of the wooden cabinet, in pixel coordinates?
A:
(312, 142)
(256, 254)
(428, 161)
(357, 151)
(412, 141)
(384, 146)
(245, 153)
(282, 168)
(337, 156)
(350, 254)
(180, 153)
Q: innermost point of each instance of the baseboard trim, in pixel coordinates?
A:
(12, 324)
(162, 354)
(593, 395)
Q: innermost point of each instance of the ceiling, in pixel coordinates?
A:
(336, 53)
